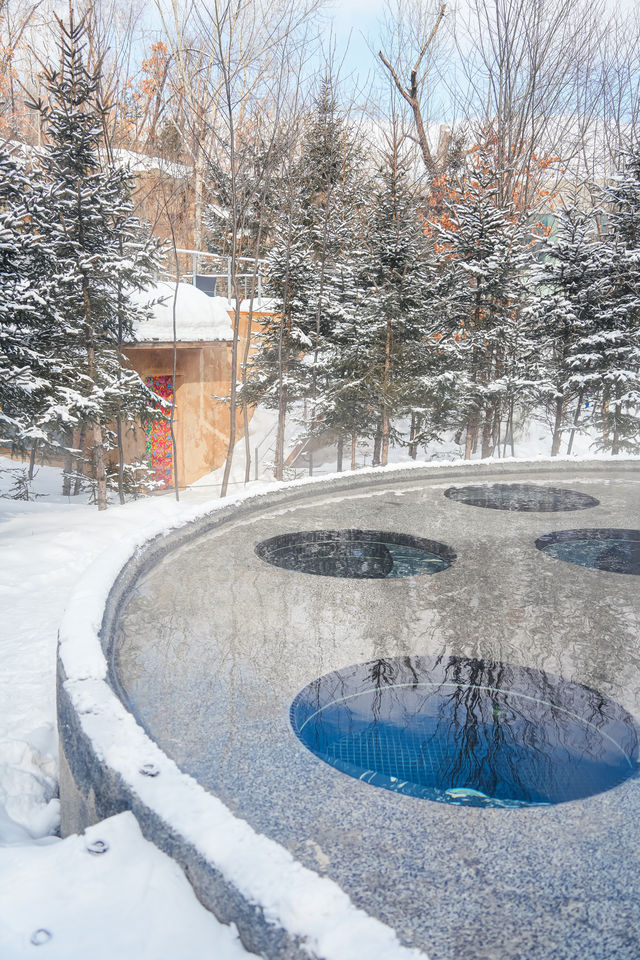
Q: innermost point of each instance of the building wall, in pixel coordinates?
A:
(203, 373)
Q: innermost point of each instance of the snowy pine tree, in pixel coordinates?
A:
(334, 189)
(92, 257)
(382, 368)
(482, 252)
(615, 345)
(312, 277)
(28, 366)
(276, 376)
(571, 288)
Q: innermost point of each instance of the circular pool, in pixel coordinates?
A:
(504, 689)
(356, 554)
(469, 732)
(611, 550)
(523, 497)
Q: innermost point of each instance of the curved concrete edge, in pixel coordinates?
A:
(109, 764)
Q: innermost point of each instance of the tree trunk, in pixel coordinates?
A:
(384, 456)
(172, 416)
(278, 467)
(469, 444)
(233, 391)
(615, 438)
(77, 483)
(247, 348)
(377, 444)
(120, 461)
(495, 433)
(487, 430)
(100, 469)
(508, 431)
(557, 426)
(411, 95)
(605, 417)
(354, 438)
(413, 446)
(32, 459)
(340, 454)
(68, 465)
(576, 418)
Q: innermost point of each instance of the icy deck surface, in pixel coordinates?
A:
(216, 643)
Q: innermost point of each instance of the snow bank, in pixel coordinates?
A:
(141, 163)
(198, 317)
(106, 894)
(133, 903)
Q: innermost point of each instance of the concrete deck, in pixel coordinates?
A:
(214, 644)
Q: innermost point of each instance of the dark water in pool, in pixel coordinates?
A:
(357, 554)
(524, 497)
(615, 551)
(469, 732)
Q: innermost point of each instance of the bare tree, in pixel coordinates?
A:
(232, 59)
(412, 91)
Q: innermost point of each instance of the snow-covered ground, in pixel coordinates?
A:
(531, 440)
(129, 901)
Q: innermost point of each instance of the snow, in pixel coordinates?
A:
(133, 902)
(260, 305)
(128, 901)
(141, 163)
(198, 317)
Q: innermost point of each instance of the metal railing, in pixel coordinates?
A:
(259, 458)
(195, 264)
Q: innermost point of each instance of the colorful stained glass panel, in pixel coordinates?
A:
(159, 447)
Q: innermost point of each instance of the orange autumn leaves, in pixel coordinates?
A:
(524, 188)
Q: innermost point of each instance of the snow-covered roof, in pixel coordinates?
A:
(141, 163)
(120, 156)
(198, 317)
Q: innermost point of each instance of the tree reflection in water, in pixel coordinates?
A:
(613, 550)
(467, 731)
(356, 554)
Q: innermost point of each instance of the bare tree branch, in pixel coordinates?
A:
(411, 95)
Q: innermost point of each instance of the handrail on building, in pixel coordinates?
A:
(197, 256)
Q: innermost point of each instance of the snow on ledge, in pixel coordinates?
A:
(312, 908)
(198, 317)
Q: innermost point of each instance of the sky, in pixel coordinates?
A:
(352, 23)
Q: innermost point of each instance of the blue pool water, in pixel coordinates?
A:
(615, 551)
(358, 554)
(469, 732)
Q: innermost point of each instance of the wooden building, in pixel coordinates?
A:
(203, 371)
